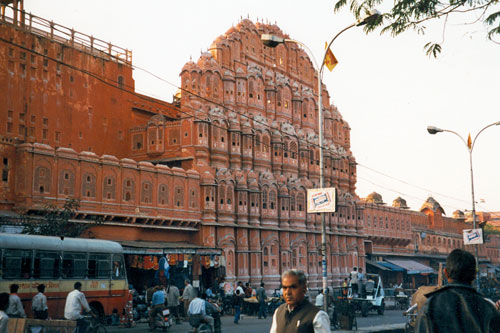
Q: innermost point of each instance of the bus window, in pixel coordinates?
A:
(118, 271)
(99, 266)
(47, 264)
(16, 264)
(74, 265)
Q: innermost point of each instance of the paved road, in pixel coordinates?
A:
(254, 325)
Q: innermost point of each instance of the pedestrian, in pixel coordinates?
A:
(458, 307)
(298, 314)
(237, 303)
(261, 297)
(75, 303)
(345, 288)
(188, 295)
(173, 301)
(248, 290)
(361, 283)
(4, 318)
(15, 308)
(320, 299)
(354, 281)
(39, 304)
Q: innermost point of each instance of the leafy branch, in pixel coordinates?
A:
(412, 14)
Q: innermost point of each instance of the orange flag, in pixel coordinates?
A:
(469, 142)
(330, 60)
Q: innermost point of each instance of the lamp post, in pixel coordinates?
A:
(470, 147)
(273, 41)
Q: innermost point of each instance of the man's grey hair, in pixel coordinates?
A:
(301, 277)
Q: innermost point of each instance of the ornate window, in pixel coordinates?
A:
(300, 202)
(264, 198)
(66, 182)
(128, 189)
(109, 188)
(272, 199)
(147, 192)
(179, 196)
(88, 185)
(163, 194)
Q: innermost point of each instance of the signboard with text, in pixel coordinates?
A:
(473, 236)
(321, 200)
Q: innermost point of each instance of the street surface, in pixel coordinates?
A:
(252, 324)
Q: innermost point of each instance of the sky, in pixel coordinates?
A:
(385, 87)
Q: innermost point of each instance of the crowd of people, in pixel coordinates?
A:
(456, 307)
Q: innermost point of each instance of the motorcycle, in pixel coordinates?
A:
(162, 319)
(199, 325)
(140, 307)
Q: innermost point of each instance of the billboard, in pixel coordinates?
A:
(321, 200)
(473, 236)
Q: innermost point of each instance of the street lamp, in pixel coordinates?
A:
(273, 41)
(470, 147)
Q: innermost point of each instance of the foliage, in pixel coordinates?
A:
(488, 229)
(414, 14)
(55, 221)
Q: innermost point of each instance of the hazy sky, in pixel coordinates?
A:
(386, 88)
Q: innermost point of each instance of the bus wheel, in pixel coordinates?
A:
(97, 309)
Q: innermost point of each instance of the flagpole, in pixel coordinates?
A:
(273, 41)
(470, 147)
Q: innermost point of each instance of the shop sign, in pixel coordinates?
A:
(321, 200)
(473, 236)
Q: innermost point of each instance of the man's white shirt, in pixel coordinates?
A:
(197, 306)
(39, 302)
(74, 303)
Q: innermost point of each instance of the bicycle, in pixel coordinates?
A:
(93, 325)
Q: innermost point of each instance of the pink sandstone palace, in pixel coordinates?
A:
(221, 172)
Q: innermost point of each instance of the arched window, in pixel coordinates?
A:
(272, 199)
(292, 202)
(300, 202)
(293, 150)
(265, 144)
(222, 195)
(229, 195)
(264, 198)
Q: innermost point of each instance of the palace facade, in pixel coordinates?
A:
(222, 170)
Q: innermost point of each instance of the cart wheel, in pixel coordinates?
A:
(381, 308)
(365, 308)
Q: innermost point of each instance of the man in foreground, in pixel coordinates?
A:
(75, 303)
(298, 314)
(458, 307)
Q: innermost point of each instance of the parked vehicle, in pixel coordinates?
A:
(162, 320)
(371, 296)
(140, 307)
(30, 260)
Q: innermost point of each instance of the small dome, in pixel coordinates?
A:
(458, 215)
(375, 198)
(400, 203)
(432, 205)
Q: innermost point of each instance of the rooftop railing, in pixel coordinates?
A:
(61, 34)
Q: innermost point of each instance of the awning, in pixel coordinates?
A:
(390, 266)
(492, 268)
(411, 266)
(376, 265)
(161, 248)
